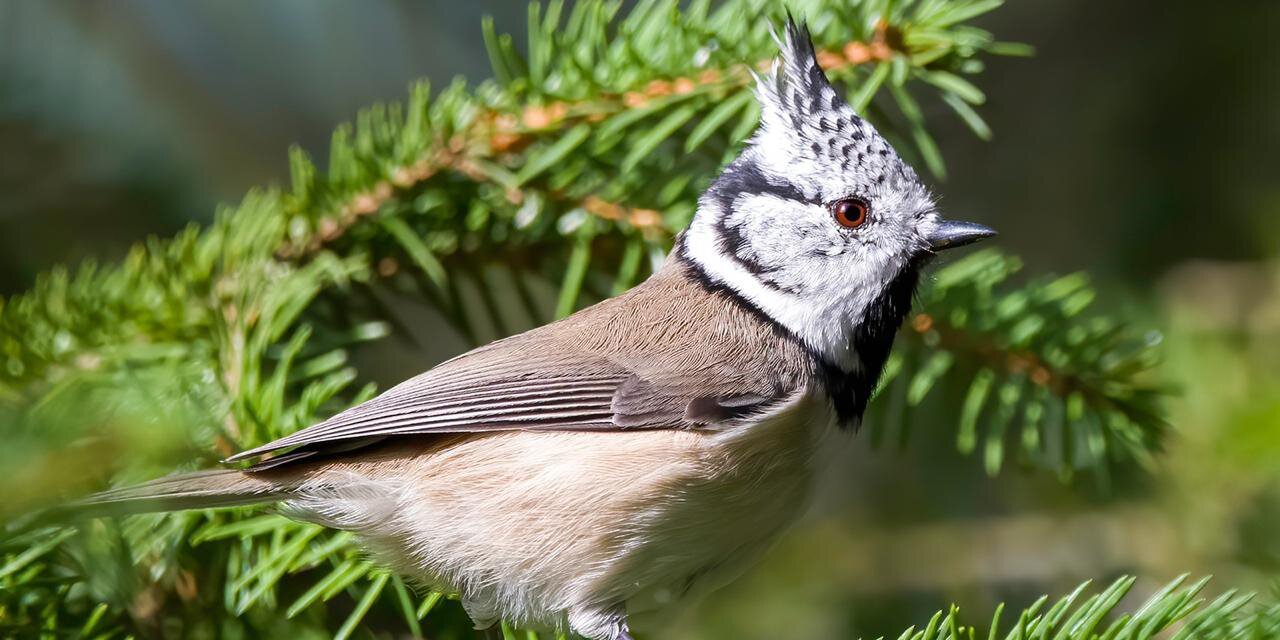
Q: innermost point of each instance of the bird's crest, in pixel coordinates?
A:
(797, 98)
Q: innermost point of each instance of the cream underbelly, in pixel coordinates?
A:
(552, 528)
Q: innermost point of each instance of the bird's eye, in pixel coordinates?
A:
(850, 213)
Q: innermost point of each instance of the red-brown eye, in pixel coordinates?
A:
(850, 212)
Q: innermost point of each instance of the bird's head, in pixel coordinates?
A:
(819, 223)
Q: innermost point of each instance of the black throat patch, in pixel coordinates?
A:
(872, 339)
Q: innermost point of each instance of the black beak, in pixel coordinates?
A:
(950, 234)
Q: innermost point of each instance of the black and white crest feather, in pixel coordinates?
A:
(796, 96)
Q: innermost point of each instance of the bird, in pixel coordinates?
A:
(643, 451)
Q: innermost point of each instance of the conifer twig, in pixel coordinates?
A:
(574, 165)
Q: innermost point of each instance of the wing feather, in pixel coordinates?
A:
(479, 404)
(424, 400)
(665, 355)
(531, 402)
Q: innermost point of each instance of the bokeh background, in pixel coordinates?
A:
(1139, 144)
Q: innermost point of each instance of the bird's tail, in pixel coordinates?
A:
(198, 490)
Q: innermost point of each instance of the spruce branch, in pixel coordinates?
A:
(495, 132)
(568, 172)
(1067, 390)
(1177, 610)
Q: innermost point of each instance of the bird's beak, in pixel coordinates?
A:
(949, 234)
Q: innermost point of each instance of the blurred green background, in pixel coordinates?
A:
(1139, 144)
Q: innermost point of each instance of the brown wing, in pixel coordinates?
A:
(630, 363)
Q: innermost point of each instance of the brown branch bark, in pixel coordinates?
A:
(496, 133)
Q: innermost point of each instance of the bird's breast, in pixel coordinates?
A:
(699, 527)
